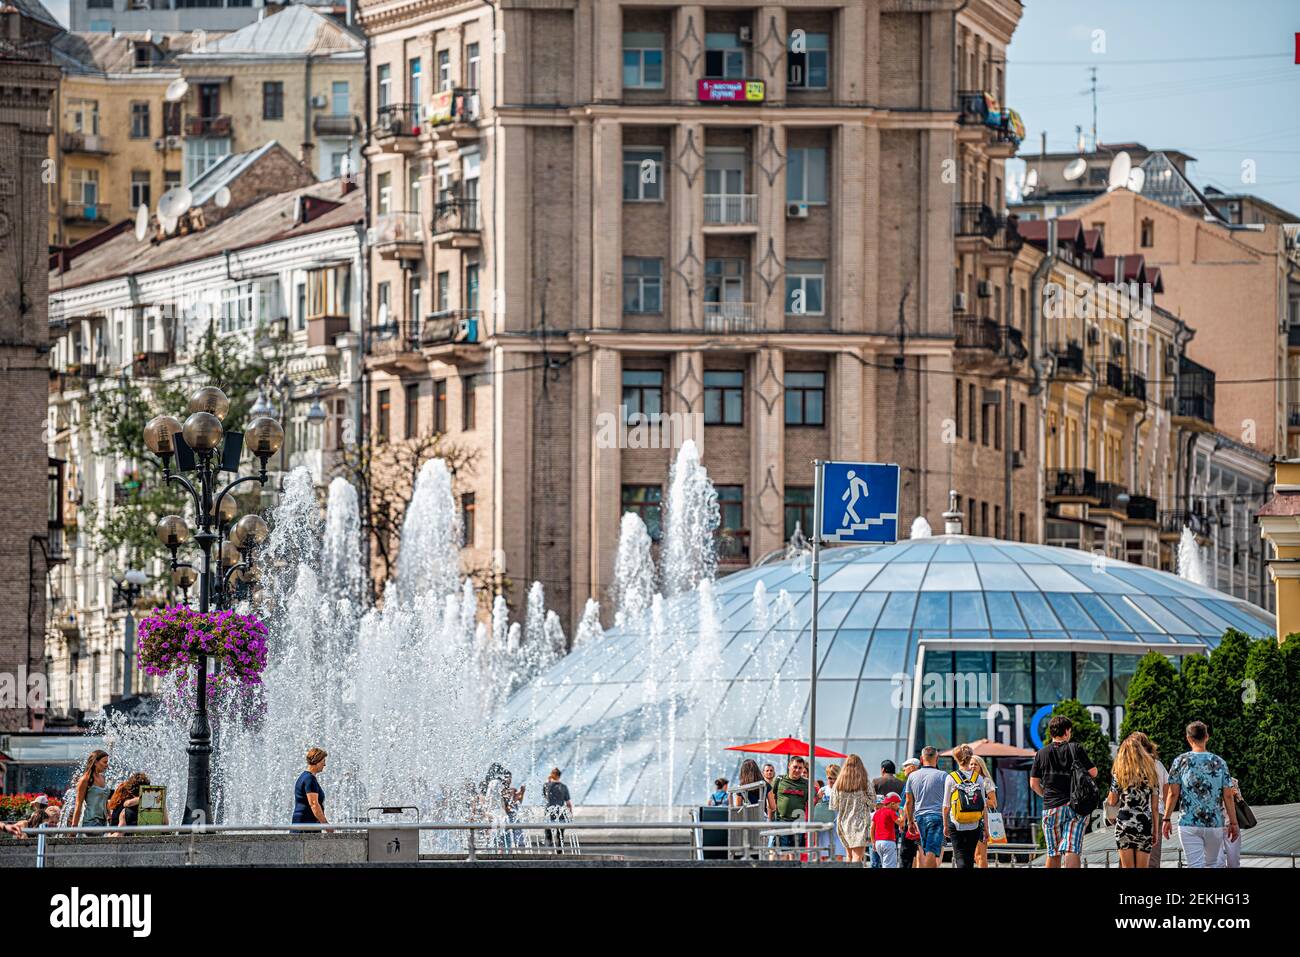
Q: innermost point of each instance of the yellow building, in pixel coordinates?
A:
(296, 76)
(116, 142)
(1280, 521)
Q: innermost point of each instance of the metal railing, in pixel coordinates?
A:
(87, 212)
(729, 317)
(1142, 508)
(1175, 520)
(1114, 376)
(975, 219)
(216, 125)
(1071, 483)
(74, 142)
(456, 216)
(451, 325)
(398, 227)
(730, 209)
(149, 365)
(395, 336)
(397, 119)
(1069, 358)
(1293, 336)
(976, 333)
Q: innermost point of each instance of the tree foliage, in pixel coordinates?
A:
(1155, 705)
(1088, 734)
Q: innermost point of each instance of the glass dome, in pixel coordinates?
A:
(903, 630)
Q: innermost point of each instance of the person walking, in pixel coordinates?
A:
(1162, 788)
(788, 799)
(853, 799)
(923, 792)
(559, 808)
(888, 782)
(308, 795)
(1134, 788)
(1050, 778)
(982, 848)
(965, 805)
(1231, 853)
(1201, 788)
(90, 809)
(511, 799)
(909, 843)
(885, 823)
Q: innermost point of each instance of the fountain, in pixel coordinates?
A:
(1191, 566)
(921, 528)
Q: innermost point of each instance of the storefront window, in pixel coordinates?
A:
(1052, 677)
(1092, 678)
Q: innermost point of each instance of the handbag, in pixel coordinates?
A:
(1245, 816)
(997, 828)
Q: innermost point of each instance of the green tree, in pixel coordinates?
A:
(1226, 715)
(1155, 705)
(1087, 733)
(1268, 773)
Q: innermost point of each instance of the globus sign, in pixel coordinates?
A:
(1003, 729)
(731, 91)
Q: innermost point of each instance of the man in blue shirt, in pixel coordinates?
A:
(924, 793)
(1199, 779)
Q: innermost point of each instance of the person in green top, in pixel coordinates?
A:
(788, 799)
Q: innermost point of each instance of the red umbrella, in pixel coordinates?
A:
(785, 746)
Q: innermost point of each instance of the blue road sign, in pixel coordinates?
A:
(859, 502)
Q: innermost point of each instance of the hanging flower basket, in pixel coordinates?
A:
(172, 639)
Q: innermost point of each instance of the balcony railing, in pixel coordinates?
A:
(1293, 336)
(395, 336)
(729, 317)
(149, 365)
(1069, 357)
(397, 119)
(1071, 483)
(974, 106)
(975, 219)
(87, 212)
(451, 325)
(1135, 386)
(1113, 376)
(1195, 398)
(57, 543)
(456, 216)
(336, 124)
(730, 209)
(1173, 522)
(1293, 416)
(74, 142)
(975, 333)
(457, 107)
(398, 227)
(216, 125)
(1108, 495)
(1142, 508)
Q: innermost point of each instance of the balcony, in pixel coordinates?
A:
(218, 124)
(1069, 360)
(398, 235)
(1173, 522)
(453, 336)
(1194, 399)
(730, 209)
(975, 220)
(96, 213)
(1112, 376)
(336, 124)
(58, 546)
(1293, 338)
(456, 224)
(395, 347)
(730, 318)
(396, 127)
(150, 365)
(1142, 508)
(454, 114)
(976, 333)
(95, 144)
(1108, 497)
(1135, 388)
(1071, 485)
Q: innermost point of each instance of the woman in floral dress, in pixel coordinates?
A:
(853, 799)
(1133, 785)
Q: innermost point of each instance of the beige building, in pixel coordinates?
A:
(591, 211)
(295, 76)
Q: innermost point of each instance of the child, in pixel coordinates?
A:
(884, 831)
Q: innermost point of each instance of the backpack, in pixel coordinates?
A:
(967, 798)
(1084, 796)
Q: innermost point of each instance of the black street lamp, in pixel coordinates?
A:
(204, 449)
(128, 588)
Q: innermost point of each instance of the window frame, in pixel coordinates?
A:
(824, 53)
(643, 501)
(803, 391)
(140, 109)
(802, 152)
(273, 100)
(639, 154)
(722, 394)
(644, 281)
(633, 395)
(638, 39)
(802, 279)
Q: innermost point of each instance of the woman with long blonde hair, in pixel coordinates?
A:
(853, 799)
(1134, 785)
(982, 848)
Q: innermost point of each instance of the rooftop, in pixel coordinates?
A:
(296, 31)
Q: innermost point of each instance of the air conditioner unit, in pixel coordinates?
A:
(984, 289)
(992, 397)
(796, 210)
(140, 5)
(745, 34)
(160, 144)
(173, 142)
(959, 302)
(1017, 459)
(319, 101)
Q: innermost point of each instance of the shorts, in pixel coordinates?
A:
(1063, 831)
(931, 828)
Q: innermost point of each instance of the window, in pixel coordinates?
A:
(413, 81)
(300, 306)
(328, 292)
(444, 69)
(1148, 233)
(440, 406)
(471, 287)
(236, 307)
(384, 304)
(643, 394)
(472, 62)
(84, 115)
(1020, 438)
(808, 64)
(798, 510)
(273, 100)
(643, 175)
(172, 119)
(340, 98)
(997, 521)
(171, 179)
(642, 285)
(957, 406)
(724, 398)
(970, 413)
(805, 398)
(202, 153)
(412, 392)
(805, 175)
(724, 280)
(139, 120)
(209, 99)
(442, 290)
(805, 287)
(468, 403)
(385, 85)
(645, 501)
(139, 188)
(724, 56)
(643, 61)
(467, 510)
(414, 294)
(384, 193)
(385, 405)
(732, 538)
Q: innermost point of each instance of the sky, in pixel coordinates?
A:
(1214, 79)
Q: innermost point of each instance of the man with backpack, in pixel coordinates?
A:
(965, 804)
(1063, 776)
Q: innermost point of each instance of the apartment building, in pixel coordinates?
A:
(117, 142)
(295, 77)
(108, 16)
(592, 212)
(29, 542)
(273, 271)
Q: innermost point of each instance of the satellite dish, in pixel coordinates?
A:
(1076, 169)
(142, 222)
(176, 202)
(1031, 182)
(176, 90)
(1120, 167)
(1137, 178)
(222, 198)
(168, 223)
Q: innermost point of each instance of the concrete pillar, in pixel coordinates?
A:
(606, 487)
(766, 285)
(511, 463)
(848, 237)
(766, 411)
(847, 411)
(770, 39)
(684, 272)
(607, 219)
(685, 53)
(510, 288)
(686, 395)
(585, 433)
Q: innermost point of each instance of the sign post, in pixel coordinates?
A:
(863, 508)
